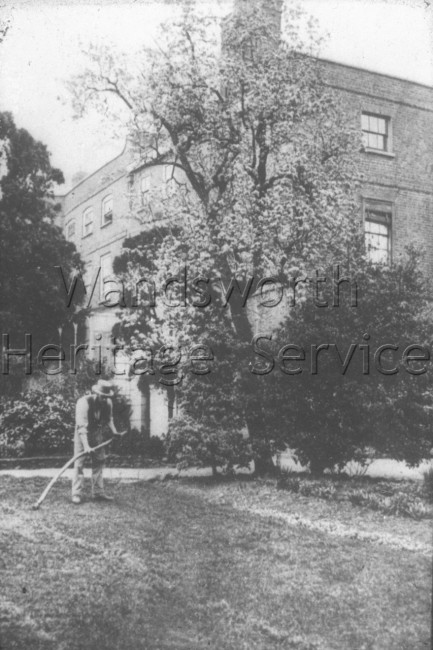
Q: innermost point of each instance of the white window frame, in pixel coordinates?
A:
(88, 222)
(375, 126)
(107, 214)
(378, 217)
(145, 184)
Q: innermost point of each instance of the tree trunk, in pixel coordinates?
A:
(144, 387)
(254, 413)
(317, 467)
(171, 398)
(263, 461)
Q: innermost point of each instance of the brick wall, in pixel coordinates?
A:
(404, 178)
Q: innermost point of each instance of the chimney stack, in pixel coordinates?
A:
(272, 7)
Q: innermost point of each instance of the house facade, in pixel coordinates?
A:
(395, 117)
(396, 120)
(97, 215)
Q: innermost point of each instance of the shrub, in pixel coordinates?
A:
(136, 443)
(40, 422)
(131, 444)
(333, 408)
(191, 444)
(154, 447)
(358, 468)
(307, 488)
(121, 411)
(401, 499)
(401, 504)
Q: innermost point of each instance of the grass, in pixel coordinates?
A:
(178, 565)
(405, 498)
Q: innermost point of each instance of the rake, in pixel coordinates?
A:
(70, 462)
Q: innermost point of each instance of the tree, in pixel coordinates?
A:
(31, 244)
(351, 379)
(262, 182)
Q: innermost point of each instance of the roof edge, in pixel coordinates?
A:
(318, 59)
(375, 72)
(83, 180)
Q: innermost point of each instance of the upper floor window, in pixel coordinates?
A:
(107, 211)
(70, 230)
(377, 226)
(87, 222)
(144, 186)
(375, 131)
(168, 173)
(169, 179)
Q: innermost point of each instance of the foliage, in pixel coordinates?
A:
(41, 421)
(399, 504)
(403, 499)
(261, 175)
(341, 413)
(31, 244)
(154, 447)
(136, 443)
(121, 410)
(263, 182)
(191, 443)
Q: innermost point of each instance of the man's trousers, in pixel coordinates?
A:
(98, 464)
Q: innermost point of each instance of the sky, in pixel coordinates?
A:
(42, 49)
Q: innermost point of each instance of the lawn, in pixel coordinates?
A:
(196, 565)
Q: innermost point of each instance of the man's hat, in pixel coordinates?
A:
(104, 388)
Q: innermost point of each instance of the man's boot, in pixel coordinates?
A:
(103, 497)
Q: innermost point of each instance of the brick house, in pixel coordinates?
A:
(395, 117)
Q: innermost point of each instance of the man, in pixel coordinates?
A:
(93, 414)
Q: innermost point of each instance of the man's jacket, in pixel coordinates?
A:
(92, 417)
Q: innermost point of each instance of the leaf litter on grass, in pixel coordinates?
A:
(340, 519)
(167, 569)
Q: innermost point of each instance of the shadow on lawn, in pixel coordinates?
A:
(403, 498)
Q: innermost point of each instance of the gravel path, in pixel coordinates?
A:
(385, 468)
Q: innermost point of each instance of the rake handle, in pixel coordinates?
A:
(64, 468)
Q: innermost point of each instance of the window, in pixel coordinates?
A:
(168, 173)
(70, 230)
(87, 222)
(377, 226)
(375, 131)
(144, 187)
(249, 48)
(106, 272)
(168, 186)
(107, 211)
